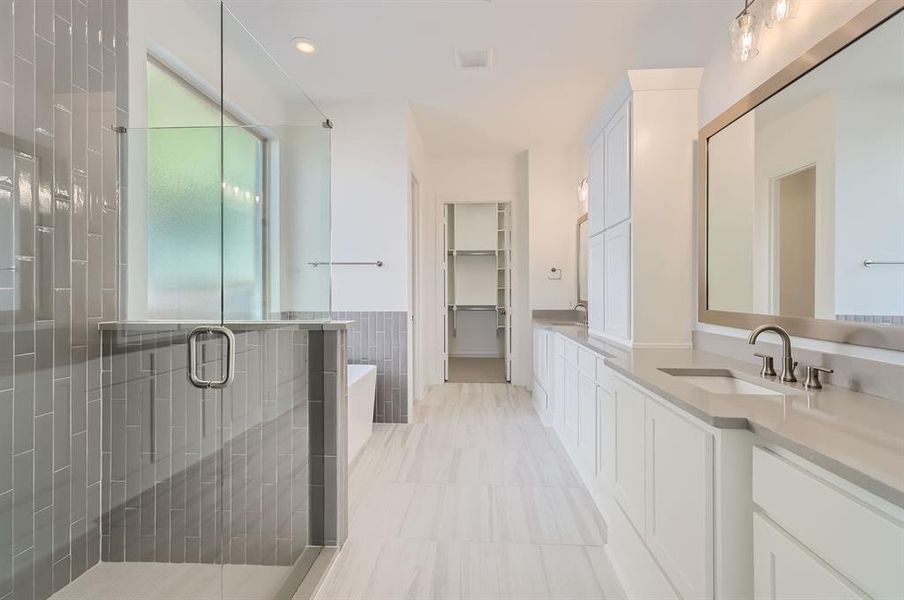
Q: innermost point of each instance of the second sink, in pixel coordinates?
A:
(720, 381)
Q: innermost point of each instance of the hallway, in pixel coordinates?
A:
(475, 499)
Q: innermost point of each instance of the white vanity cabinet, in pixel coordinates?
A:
(541, 373)
(679, 519)
(817, 532)
(657, 475)
(641, 205)
(630, 452)
(785, 568)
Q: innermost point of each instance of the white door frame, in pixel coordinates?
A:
(414, 317)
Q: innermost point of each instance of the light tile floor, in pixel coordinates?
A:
(169, 581)
(474, 500)
(476, 370)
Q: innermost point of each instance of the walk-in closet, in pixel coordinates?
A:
(478, 278)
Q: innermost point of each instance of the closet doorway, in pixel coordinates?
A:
(478, 298)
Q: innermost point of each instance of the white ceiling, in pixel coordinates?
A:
(554, 61)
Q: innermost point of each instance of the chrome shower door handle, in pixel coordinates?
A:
(196, 380)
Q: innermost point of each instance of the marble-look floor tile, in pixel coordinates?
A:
(475, 499)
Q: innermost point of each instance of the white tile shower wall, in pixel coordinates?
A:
(62, 83)
(381, 339)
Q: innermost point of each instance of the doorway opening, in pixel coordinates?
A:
(478, 292)
(794, 244)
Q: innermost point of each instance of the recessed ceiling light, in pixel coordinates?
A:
(304, 45)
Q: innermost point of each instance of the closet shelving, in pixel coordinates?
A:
(478, 281)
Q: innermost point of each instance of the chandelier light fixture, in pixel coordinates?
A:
(746, 29)
(779, 10)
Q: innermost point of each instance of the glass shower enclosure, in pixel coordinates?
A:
(163, 309)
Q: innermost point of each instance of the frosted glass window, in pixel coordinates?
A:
(185, 233)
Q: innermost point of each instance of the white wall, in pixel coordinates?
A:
(499, 178)
(801, 138)
(870, 198)
(369, 191)
(725, 81)
(423, 335)
(554, 174)
(732, 181)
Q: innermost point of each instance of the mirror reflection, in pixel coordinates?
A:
(805, 196)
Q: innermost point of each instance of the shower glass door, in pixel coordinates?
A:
(170, 360)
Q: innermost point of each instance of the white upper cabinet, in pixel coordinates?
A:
(595, 187)
(617, 282)
(596, 274)
(644, 191)
(617, 167)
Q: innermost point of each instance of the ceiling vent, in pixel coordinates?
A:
(471, 60)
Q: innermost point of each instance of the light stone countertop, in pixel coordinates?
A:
(856, 436)
(162, 325)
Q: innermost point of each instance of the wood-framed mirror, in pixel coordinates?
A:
(801, 202)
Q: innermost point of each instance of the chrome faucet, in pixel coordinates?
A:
(788, 363)
(578, 308)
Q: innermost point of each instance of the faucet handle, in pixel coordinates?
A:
(812, 381)
(768, 369)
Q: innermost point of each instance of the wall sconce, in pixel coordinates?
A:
(746, 29)
(583, 194)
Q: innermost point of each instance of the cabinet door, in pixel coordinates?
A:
(617, 167)
(605, 444)
(587, 427)
(785, 570)
(595, 216)
(629, 452)
(679, 522)
(540, 374)
(595, 277)
(572, 417)
(558, 402)
(617, 281)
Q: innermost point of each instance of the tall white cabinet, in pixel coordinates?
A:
(641, 210)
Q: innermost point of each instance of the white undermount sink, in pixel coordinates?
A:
(720, 381)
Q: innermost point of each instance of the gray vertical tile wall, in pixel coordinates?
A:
(381, 339)
(164, 441)
(52, 279)
(329, 445)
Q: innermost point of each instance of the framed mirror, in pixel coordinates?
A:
(582, 249)
(802, 207)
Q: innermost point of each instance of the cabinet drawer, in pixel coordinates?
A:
(783, 569)
(587, 363)
(861, 542)
(571, 352)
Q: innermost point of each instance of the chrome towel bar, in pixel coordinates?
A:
(870, 263)
(375, 263)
